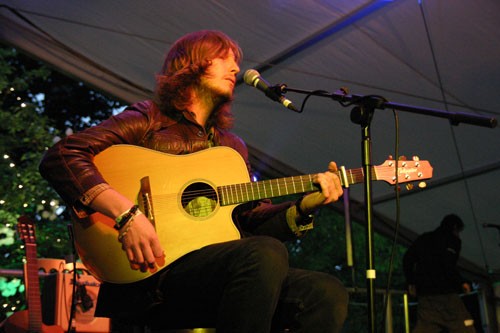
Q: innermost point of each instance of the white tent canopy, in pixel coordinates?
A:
(434, 54)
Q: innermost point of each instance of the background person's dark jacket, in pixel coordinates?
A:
(431, 263)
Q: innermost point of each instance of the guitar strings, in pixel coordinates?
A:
(235, 193)
(281, 184)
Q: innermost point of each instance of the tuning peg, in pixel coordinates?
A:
(409, 186)
(402, 158)
(415, 158)
(390, 157)
(422, 184)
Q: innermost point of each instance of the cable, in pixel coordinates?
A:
(397, 221)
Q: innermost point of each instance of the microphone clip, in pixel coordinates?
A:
(279, 89)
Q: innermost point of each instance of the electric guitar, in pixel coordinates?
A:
(29, 320)
(189, 199)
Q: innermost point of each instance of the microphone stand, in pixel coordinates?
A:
(362, 115)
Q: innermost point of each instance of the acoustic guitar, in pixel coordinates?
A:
(29, 320)
(190, 199)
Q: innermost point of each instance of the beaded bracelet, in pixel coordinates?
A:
(129, 224)
(124, 232)
(125, 217)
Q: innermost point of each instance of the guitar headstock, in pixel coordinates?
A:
(408, 171)
(26, 229)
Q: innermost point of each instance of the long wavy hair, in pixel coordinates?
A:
(183, 68)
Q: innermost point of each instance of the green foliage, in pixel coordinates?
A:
(37, 105)
(324, 249)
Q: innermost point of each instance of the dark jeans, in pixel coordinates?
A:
(438, 312)
(247, 286)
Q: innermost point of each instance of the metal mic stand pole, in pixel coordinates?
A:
(363, 115)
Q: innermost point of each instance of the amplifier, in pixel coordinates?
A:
(58, 290)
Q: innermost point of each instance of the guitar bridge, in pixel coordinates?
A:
(145, 199)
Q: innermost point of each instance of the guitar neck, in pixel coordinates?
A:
(33, 289)
(246, 192)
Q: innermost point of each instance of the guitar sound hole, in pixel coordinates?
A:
(199, 199)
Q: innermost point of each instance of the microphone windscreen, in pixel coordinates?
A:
(249, 76)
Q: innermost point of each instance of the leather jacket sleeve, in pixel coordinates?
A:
(68, 165)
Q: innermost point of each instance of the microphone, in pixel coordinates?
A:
(489, 225)
(253, 78)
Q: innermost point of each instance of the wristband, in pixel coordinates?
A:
(124, 217)
(304, 218)
(124, 232)
(298, 229)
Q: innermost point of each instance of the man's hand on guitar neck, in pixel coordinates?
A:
(330, 186)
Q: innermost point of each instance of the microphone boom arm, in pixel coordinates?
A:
(375, 102)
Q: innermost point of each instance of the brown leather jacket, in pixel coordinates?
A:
(69, 168)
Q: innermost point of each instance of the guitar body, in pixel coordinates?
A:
(19, 323)
(179, 232)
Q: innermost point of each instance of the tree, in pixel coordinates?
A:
(37, 106)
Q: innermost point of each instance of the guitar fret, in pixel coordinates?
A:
(244, 192)
(237, 190)
(231, 194)
(351, 174)
(247, 192)
(357, 175)
(223, 194)
(226, 195)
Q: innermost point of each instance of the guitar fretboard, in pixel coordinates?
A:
(33, 289)
(245, 192)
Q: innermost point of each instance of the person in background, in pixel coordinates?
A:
(243, 285)
(430, 268)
